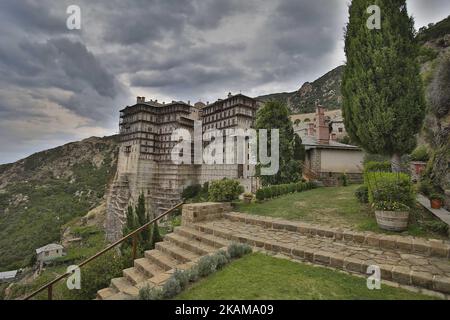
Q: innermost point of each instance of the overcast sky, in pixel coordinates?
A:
(58, 85)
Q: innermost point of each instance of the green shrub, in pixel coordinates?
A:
(171, 288)
(98, 274)
(420, 154)
(436, 226)
(437, 196)
(390, 187)
(260, 194)
(377, 166)
(343, 180)
(425, 187)
(206, 266)
(182, 277)
(190, 192)
(150, 293)
(221, 259)
(362, 194)
(193, 274)
(225, 190)
(268, 193)
(238, 250)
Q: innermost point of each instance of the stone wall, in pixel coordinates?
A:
(197, 212)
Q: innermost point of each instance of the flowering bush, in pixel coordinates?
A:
(390, 206)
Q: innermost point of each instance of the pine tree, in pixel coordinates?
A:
(384, 103)
(275, 115)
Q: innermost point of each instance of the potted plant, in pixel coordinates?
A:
(391, 215)
(248, 197)
(436, 200)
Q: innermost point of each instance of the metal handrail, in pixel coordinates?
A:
(49, 286)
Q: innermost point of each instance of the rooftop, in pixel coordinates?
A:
(49, 247)
(8, 275)
(311, 142)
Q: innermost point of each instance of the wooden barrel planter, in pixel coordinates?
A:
(392, 220)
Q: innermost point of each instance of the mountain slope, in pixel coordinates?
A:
(326, 90)
(41, 193)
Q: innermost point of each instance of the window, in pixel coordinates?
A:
(340, 130)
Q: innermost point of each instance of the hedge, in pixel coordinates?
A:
(274, 191)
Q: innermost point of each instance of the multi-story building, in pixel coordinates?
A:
(145, 165)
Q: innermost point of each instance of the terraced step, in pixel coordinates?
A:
(176, 252)
(190, 244)
(147, 267)
(161, 259)
(200, 236)
(124, 286)
(407, 244)
(428, 272)
(134, 275)
(104, 294)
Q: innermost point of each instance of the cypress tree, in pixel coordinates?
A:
(129, 226)
(142, 218)
(384, 103)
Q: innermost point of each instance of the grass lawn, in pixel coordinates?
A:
(259, 276)
(335, 206)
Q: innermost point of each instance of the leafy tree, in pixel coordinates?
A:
(275, 115)
(438, 97)
(383, 104)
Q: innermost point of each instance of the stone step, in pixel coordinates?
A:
(134, 275)
(105, 293)
(124, 286)
(192, 245)
(431, 273)
(120, 296)
(176, 252)
(202, 237)
(161, 259)
(147, 267)
(425, 247)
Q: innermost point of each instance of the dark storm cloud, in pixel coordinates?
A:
(58, 85)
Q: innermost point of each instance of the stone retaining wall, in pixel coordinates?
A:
(197, 212)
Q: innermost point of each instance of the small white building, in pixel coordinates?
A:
(49, 252)
(8, 276)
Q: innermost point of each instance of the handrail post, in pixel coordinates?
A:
(50, 292)
(134, 246)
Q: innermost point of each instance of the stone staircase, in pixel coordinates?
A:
(420, 264)
(179, 250)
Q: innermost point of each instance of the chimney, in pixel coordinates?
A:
(140, 99)
(322, 129)
(229, 95)
(311, 131)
